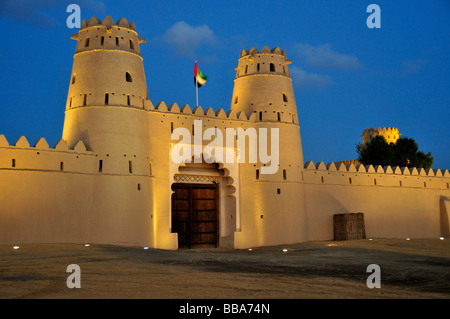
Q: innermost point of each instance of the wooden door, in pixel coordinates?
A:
(195, 215)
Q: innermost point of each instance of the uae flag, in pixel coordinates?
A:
(199, 78)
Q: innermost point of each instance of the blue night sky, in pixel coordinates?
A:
(346, 76)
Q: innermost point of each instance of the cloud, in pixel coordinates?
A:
(186, 39)
(45, 13)
(303, 79)
(412, 66)
(325, 58)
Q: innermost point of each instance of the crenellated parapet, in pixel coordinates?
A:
(198, 111)
(369, 175)
(391, 134)
(78, 159)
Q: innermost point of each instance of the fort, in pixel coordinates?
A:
(110, 178)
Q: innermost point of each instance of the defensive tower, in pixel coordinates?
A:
(107, 88)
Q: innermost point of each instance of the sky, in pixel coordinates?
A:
(346, 76)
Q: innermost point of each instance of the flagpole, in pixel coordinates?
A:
(196, 87)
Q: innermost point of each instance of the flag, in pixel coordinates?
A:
(199, 78)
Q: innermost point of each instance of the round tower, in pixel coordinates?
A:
(107, 88)
(263, 91)
(263, 86)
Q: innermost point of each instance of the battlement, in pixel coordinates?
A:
(107, 22)
(264, 50)
(39, 157)
(391, 134)
(369, 175)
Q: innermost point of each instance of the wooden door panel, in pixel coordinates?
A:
(194, 215)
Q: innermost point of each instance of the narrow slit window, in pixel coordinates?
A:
(128, 77)
(279, 116)
(236, 100)
(117, 41)
(106, 98)
(257, 174)
(293, 118)
(400, 183)
(70, 102)
(139, 187)
(74, 77)
(284, 70)
(349, 180)
(131, 45)
(284, 174)
(150, 168)
(260, 115)
(285, 99)
(130, 167)
(375, 181)
(272, 67)
(100, 166)
(128, 100)
(84, 99)
(86, 43)
(61, 166)
(246, 69)
(257, 67)
(171, 127)
(102, 40)
(278, 190)
(321, 179)
(13, 163)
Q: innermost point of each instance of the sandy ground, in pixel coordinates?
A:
(418, 268)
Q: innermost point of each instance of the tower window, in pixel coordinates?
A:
(61, 166)
(260, 115)
(100, 166)
(84, 99)
(246, 69)
(86, 43)
(70, 102)
(278, 190)
(285, 99)
(130, 167)
(272, 67)
(13, 164)
(257, 174)
(128, 77)
(236, 100)
(284, 174)
(117, 41)
(257, 67)
(171, 127)
(128, 99)
(284, 70)
(102, 40)
(74, 77)
(106, 98)
(131, 45)
(279, 116)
